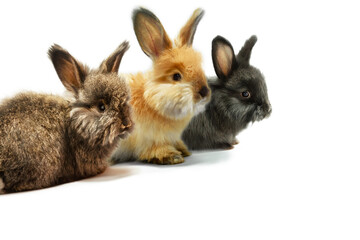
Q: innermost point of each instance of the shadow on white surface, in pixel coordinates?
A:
(111, 173)
(207, 157)
(197, 157)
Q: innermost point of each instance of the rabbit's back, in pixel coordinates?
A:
(32, 136)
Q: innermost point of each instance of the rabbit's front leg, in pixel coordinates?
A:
(163, 154)
(235, 141)
(222, 145)
(180, 145)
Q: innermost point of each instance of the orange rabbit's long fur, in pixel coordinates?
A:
(166, 98)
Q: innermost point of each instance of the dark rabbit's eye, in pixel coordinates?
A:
(101, 107)
(245, 94)
(176, 77)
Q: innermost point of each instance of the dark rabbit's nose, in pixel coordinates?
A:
(267, 108)
(204, 91)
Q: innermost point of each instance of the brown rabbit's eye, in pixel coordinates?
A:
(245, 94)
(101, 107)
(176, 77)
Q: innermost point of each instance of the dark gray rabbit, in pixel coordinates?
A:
(239, 96)
(47, 140)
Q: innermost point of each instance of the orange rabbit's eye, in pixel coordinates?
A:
(176, 77)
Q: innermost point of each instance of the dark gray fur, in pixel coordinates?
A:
(228, 112)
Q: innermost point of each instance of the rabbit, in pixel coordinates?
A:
(46, 140)
(165, 98)
(239, 96)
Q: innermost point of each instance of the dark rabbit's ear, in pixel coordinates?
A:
(112, 63)
(150, 33)
(223, 57)
(244, 54)
(186, 35)
(71, 72)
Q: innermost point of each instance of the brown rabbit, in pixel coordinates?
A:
(46, 140)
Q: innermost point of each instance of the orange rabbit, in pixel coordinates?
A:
(166, 98)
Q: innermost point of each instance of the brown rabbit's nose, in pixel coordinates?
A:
(204, 91)
(127, 125)
(126, 122)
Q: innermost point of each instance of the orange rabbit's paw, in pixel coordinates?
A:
(168, 160)
(180, 146)
(165, 155)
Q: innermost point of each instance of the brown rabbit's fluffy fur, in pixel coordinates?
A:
(46, 140)
(162, 107)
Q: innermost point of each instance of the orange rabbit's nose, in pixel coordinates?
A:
(204, 91)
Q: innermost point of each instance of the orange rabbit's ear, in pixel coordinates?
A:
(150, 33)
(186, 35)
(71, 72)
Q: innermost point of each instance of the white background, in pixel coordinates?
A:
(295, 175)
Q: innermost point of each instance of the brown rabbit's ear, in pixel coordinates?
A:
(223, 57)
(150, 33)
(244, 54)
(71, 73)
(112, 63)
(186, 35)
